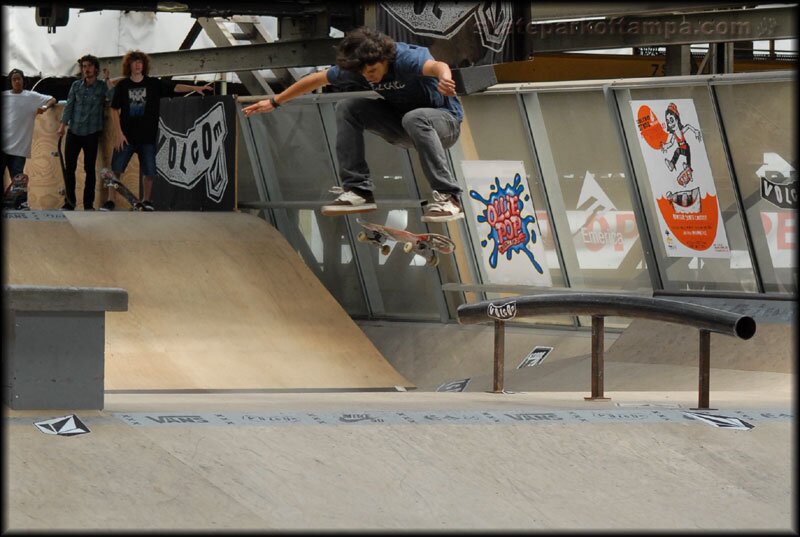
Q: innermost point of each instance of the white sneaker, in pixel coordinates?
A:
(445, 207)
(349, 202)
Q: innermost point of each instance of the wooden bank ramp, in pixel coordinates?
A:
(217, 301)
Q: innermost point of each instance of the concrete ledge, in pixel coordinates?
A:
(51, 298)
(54, 342)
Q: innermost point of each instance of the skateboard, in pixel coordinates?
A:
(110, 181)
(60, 154)
(424, 244)
(15, 195)
(685, 176)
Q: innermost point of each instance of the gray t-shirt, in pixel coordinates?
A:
(19, 113)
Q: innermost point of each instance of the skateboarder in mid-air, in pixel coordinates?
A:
(419, 109)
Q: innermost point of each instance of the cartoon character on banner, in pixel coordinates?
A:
(510, 229)
(677, 134)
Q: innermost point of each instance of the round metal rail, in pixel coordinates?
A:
(598, 306)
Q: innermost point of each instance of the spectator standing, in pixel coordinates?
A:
(134, 113)
(20, 108)
(84, 114)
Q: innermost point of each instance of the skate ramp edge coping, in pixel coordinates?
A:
(600, 305)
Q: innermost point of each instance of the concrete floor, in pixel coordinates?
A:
(325, 461)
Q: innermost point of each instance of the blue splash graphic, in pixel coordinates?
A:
(509, 228)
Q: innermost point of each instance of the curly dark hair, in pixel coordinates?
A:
(364, 46)
(132, 56)
(91, 59)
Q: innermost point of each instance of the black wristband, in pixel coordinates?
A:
(274, 102)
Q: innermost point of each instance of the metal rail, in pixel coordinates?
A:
(598, 306)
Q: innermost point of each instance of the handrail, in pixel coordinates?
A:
(600, 305)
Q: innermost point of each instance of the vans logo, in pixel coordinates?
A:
(177, 419)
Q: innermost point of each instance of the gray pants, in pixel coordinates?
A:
(428, 130)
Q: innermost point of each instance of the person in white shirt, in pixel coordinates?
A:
(20, 108)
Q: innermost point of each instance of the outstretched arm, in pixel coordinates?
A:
(441, 71)
(305, 85)
(695, 130)
(47, 106)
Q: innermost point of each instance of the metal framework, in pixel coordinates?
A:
(674, 29)
(306, 52)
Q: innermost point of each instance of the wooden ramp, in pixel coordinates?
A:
(217, 301)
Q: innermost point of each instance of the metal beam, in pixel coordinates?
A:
(621, 32)
(678, 61)
(191, 37)
(547, 11)
(305, 53)
(221, 37)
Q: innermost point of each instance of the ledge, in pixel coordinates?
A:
(52, 298)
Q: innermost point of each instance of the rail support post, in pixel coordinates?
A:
(499, 356)
(598, 340)
(704, 376)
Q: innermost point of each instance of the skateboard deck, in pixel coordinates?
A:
(60, 154)
(110, 181)
(424, 244)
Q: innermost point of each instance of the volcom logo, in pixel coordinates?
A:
(186, 159)
(502, 312)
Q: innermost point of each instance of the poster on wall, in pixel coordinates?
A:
(683, 187)
(500, 214)
(196, 154)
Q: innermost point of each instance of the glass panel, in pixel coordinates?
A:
(295, 155)
(760, 123)
(246, 188)
(324, 245)
(389, 166)
(700, 273)
(293, 150)
(581, 162)
(494, 129)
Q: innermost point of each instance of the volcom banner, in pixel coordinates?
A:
(195, 154)
(458, 33)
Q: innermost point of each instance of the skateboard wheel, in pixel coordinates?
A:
(386, 249)
(433, 261)
(362, 237)
(408, 247)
